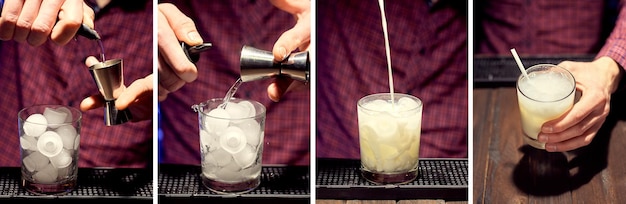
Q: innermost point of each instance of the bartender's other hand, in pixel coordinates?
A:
(175, 70)
(137, 97)
(33, 21)
(297, 37)
(596, 81)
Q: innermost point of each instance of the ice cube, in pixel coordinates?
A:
(50, 144)
(251, 129)
(217, 120)
(233, 140)
(63, 172)
(68, 135)
(68, 118)
(55, 118)
(28, 143)
(406, 103)
(229, 173)
(250, 107)
(47, 175)
(245, 157)
(209, 161)
(237, 111)
(35, 161)
(35, 125)
(62, 160)
(378, 105)
(252, 172)
(384, 127)
(222, 157)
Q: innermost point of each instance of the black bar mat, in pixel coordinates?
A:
(97, 183)
(287, 184)
(504, 70)
(438, 179)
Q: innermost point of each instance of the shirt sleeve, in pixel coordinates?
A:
(615, 46)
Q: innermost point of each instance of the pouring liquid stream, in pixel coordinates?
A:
(101, 46)
(387, 50)
(231, 92)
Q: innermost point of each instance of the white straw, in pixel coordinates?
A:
(519, 63)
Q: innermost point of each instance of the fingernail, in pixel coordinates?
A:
(542, 138)
(283, 52)
(194, 37)
(551, 148)
(546, 129)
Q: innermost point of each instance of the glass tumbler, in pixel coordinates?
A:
(546, 94)
(231, 144)
(49, 143)
(389, 137)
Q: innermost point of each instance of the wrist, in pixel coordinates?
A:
(613, 71)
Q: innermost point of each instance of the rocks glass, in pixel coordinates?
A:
(389, 135)
(49, 140)
(231, 144)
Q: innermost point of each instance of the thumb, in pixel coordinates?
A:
(291, 39)
(134, 91)
(90, 61)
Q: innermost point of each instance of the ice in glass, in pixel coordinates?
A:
(389, 136)
(231, 144)
(49, 141)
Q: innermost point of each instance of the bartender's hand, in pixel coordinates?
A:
(596, 80)
(137, 97)
(297, 37)
(33, 21)
(175, 70)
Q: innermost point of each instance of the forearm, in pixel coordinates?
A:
(615, 46)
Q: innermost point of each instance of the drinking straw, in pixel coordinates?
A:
(519, 63)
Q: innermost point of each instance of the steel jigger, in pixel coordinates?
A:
(257, 64)
(109, 78)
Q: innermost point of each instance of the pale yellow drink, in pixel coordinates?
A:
(546, 96)
(389, 137)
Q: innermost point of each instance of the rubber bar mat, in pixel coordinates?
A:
(437, 179)
(98, 183)
(178, 182)
(504, 69)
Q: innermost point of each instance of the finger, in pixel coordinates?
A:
(162, 93)
(574, 143)
(183, 27)
(91, 102)
(9, 17)
(292, 6)
(90, 61)
(70, 18)
(292, 39)
(44, 24)
(88, 16)
(574, 131)
(169, 80)
(585, 106)
(278, 88)
(25, 22)
(171, 54)
(137, 89)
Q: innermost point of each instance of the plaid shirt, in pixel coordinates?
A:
(615, 46)
(229, 25)
(52, 74)
(542, 26)
(429, 60)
